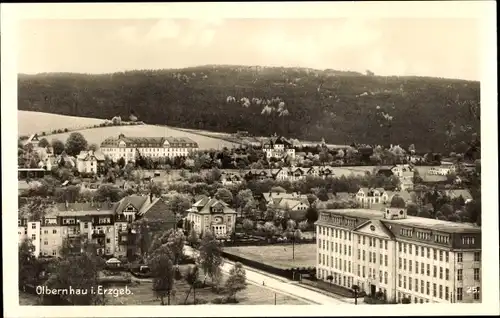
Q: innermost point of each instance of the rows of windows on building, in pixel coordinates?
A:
(347, 271)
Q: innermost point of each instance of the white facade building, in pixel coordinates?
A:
(424, 260)
(278, 147)
(128, 148)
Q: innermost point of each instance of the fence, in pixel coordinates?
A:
(255, 242)
(290, 273)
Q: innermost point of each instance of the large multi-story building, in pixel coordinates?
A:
(424, 260)
(213, 215)
(106, 224)
(278, 147)
(129, 148)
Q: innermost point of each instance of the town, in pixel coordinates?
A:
(350, 224)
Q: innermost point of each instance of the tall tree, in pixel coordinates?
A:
(28, 263)
(79, 271)
(163, 272)
(75, 143)
(57, 146)
(236, 280)
(191, 278)
(210, 255)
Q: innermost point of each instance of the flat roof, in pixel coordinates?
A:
(437, 225)
(359, 213)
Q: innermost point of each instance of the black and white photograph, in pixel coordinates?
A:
(214, 158)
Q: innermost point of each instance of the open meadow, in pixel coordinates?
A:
(37, 122)
(279, 256)
(48, 122)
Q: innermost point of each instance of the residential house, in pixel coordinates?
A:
(214, 215)
(456, 193)
(90, 162)
(291, 174)
(278, 147)
(33, 140)
(107, 224)
(443, 169)
(228, 178)
(321, 171)
(296, 207)
(258, 174)
(341, 196)
(370, 198)
(269, 197)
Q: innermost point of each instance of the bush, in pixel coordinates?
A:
(225, 300)
(198, 301)
(65, 129)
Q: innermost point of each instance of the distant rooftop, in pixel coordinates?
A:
(436, 225)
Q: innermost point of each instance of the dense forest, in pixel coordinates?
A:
(342, 107)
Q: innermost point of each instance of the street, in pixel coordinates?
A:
(281, 285)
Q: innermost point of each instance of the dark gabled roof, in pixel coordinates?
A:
(136, 201)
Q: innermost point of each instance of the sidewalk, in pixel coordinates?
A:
(330, 294)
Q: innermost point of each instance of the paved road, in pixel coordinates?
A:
(281, 285)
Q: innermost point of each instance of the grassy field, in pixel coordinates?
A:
(252, 295)
(278, 255)
(35, 122)
(48, 122)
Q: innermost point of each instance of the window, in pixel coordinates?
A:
(410, 248)
(359, 270)
(421, 286)
(435, 254)
(446, 293)
(428, 252)
(416, 250)
(400, 262)
(416, 285)
(85, 225)
(370, 241)
(447, 274)
(336, 248)
(440, 272)
(33, 226)
(476, 274)
(33, 237)
(440, 256)
(404, 247)
(363, 255)
(441, 291)
(434, 290)
(477, 293)
(460, 257)
(409, 283)
(447, 255)
(385, 244)
(428, 270)
(363, 272)
(460, 293)
(108, 240)
(45, 232)
(399, 280)
(54, 252)
(428, 287)
(385, 260)
(422, 269)
(434, 271)
(381, 259)
(416, 267)
(45, 243)
(400, 247)
(460, 274)
(385, 278)
(369, 257)
(404, 282)
(359, 254)
(349, 250)
(363, 240)
(477, 256)
(380, 276)
(404, 264)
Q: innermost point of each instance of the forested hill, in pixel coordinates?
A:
(342, 107)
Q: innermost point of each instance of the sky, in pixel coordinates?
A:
(439, 47)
